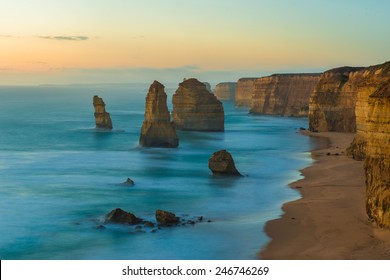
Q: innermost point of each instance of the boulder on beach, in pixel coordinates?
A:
(222, 162)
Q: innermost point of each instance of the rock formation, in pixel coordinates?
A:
(283, 94)
(119, 216)
(166, 218)
(377, 162)
(102, 118)
(225, 91)
(244, 91)
(157, 129)
(370, 80)
(367, 91)
(195, 108)
(222, 163)
(332, 103)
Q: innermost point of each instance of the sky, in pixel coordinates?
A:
(126, 41)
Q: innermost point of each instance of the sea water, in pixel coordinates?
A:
(59, 177)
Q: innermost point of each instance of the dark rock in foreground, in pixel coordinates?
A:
(222, 162)
(166, 218)
(119, 216)
(102, 118)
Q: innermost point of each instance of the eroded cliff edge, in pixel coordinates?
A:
(225, 91)
(283, 94)
(244, 91)
(196, 108)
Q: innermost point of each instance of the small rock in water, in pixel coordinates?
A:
(129, 182)
(166, 218)
(121, 217)
(222, 162)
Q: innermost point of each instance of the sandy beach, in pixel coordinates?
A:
(329, 221)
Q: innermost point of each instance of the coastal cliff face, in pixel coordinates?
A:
(157, 129)
(333, 100)
(195, 108)
(369, 81)
(225, 91)
(244, 91)
(283, 94)
(102, 118)
(377, 163)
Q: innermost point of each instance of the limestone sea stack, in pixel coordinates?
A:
(225, 91)
(102, 118)
(195, 108)
(285, 95)
(157, 129)
(222, 163)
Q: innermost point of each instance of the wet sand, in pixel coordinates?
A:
(329, 221)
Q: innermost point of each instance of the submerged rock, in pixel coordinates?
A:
(102, 118)
(119, 216)
(222, 162)
(157, 129)
(196, 108)
(166, 218)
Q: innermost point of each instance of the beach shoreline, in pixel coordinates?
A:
(329, 220)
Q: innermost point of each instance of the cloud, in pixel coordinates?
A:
(65, 38)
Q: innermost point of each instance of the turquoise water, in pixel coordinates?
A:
(59, 177)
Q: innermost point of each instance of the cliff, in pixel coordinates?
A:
(157, 129)
(244, 91)
(283, 94)
(370, 80)
(225, 91)
(377, 162)
(195, 108)
(332, 103)
(102, 118)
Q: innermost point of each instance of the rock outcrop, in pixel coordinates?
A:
(225, 91)
(332, 103)
(119, 216)
(244, 91)
(102, 118)
(195, 108)
(157, 129)
(166, 218)
(377, 162)
(222, 163)
(283, 94)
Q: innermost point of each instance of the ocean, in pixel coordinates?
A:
(59, 177)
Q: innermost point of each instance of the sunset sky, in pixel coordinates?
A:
(123, 41)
